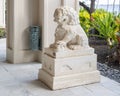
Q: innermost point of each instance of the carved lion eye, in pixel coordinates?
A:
(64, 19)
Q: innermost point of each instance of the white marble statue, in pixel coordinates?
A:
(69, 61)
(69, 34)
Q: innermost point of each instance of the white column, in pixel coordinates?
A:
(71, 3)
(2, 13)
(21, 15)
(47, 8)
(24, 13)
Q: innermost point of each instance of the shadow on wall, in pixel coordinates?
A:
(29, 16)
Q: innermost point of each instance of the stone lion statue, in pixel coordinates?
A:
(68, 34)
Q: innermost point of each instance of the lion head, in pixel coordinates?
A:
(66, 15)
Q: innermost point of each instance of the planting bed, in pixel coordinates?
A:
(111, 70)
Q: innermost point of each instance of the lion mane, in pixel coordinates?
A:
(70, 12)
(68, 34)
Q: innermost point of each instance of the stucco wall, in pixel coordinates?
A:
(2, 13)
(26, 14)
(21, 15)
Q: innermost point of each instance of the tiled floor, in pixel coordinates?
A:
(22, 80)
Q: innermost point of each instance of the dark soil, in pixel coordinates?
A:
(108, 69)
(101, 49)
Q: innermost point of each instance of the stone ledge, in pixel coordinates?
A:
(23, 56)
(69, 53)
(66, 81)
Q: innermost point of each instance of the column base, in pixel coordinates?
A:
(23, 56)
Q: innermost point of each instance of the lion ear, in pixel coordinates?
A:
(56, 11)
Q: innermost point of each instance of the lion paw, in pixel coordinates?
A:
(74, 47)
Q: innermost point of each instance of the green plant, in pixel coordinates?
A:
(99, 13)
(107, 28)
(118, 34)
(107, 24)
(2, 32)
(84, 20)
(117, 21)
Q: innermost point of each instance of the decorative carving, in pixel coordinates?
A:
(50, 67)
(69, 67)
(69, 34)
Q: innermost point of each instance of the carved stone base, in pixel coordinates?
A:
(66, 81)
(69, 53)
(69, 65)
(58, 72)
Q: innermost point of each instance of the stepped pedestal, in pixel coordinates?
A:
(69, 68)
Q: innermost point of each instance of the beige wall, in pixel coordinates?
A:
(10, 23)
(26, 14)
(48, 25)
(21, 15)
(2, 13)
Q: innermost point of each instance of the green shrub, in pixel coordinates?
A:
(106, 27)
(84, 20)
(99, 13)
(117, 21)
(2, 32)
(106, 23)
